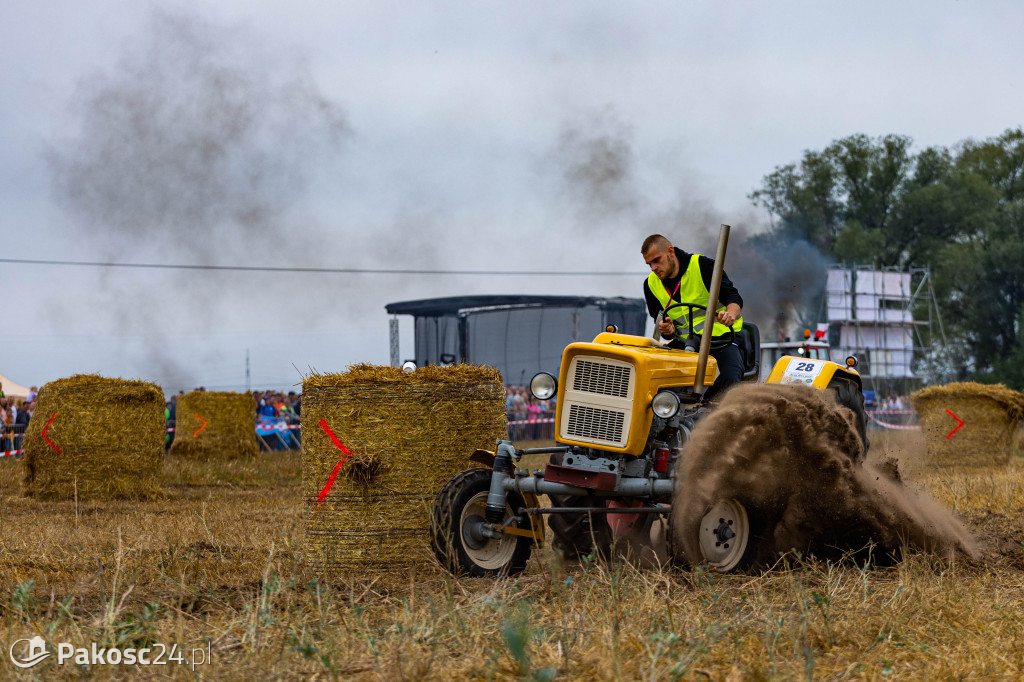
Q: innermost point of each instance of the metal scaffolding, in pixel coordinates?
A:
(870, 313)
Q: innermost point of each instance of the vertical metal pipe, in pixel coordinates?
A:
(709, 319)
(396, 360)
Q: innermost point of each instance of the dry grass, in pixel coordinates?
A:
(217, 562)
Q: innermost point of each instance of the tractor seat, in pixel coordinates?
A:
(749, 341)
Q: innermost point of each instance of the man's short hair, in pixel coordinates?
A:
(655, 240)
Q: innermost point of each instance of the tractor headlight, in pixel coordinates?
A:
(543, 386)
(665, 404)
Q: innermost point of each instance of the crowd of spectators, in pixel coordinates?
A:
(276, 404)
(522, 406)
(14, 417)
(894, 401)
(276, 413)
(875, 401)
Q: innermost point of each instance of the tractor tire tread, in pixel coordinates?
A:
(849, 395)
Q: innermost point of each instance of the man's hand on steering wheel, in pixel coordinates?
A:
(667, 326)
(728, 316)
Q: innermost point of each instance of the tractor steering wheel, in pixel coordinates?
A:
(690, 306)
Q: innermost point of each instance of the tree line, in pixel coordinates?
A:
(960, 211)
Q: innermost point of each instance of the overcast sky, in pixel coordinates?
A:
(443, 135)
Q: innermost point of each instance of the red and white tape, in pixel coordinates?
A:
(276, 427)
(896, 427)
(531, 421)
(10, 453)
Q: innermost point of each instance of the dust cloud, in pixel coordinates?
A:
(792, 457)
(781, 284)
(199, 145)
(197, 140)
(599, 165)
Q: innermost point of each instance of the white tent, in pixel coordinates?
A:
(12, 389)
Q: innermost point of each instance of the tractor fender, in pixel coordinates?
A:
(485, 457)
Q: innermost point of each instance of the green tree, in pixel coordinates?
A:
(806, 200)
(852, 185)
(992, 287)
(872, 176)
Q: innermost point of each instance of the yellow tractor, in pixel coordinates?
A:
(625, 408)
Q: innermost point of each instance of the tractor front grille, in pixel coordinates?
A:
(593, 376)
(595, 424)
(598, 401)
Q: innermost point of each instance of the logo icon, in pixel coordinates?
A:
(36, 652)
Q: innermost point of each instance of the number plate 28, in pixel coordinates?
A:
(801, 371)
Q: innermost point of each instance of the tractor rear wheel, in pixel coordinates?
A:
(849, 395)
(578, 534)
(457, 522)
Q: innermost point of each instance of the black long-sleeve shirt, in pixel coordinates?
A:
(727, 293)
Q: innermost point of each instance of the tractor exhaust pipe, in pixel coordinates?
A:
(709, 319)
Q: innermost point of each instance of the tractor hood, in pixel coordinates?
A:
(605, 389)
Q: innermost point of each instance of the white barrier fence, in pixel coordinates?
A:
(283, 436)
(272, 433)
(11, 436)
(531, 429)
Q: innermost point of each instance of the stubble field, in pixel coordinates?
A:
(216, 564)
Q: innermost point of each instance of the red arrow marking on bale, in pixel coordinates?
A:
(201, 427)
(47, 439)
(950, 434)
(337, 467)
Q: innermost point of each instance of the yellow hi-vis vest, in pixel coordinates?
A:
(691, 290)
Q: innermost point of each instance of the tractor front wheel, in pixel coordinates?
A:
(458, 522)
(724, 536)
(721, 535)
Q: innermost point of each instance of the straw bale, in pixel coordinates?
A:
(407, 433)
(111, 438)
(991, 414)
(230, 430)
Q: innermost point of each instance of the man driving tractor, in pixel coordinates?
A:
(679, 277)
(626, 407)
